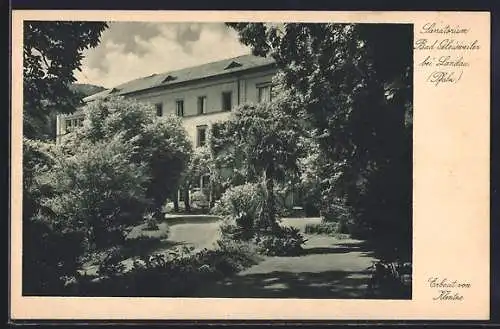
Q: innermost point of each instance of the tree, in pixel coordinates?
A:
(161, 144)
(264, 141)
(52, 51)
(200, 164)
(351, 85)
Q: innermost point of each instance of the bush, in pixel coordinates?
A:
(151, 222)
(323, 228)
(46, 265)
(177, 272)
(330, 229)
(285, 241)
(240, 206)
(390, 279)
(199, 199)
(247, 198)
(98, 191)
(112, 265)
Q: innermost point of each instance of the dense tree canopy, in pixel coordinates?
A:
(263, 141)
(52, 51)
(161, 144)
(351, 86)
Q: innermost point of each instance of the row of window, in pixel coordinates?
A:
(263, 92)
(73, 123)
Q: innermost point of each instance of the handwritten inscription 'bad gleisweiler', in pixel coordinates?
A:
(446, 44)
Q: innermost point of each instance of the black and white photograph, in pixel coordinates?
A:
(217, 159)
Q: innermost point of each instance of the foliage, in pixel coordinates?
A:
(323, 228)
(246, 198)
(111, 265)
(200, 165)
(351, 87)
(330, 229)
(151, 222)
(240, 206)
(390, 279)
(284, 241)
(52, 51)
(158, 144)
(199, 199)
(97, 191)
(177, 272)
(45, 264)
(263, 141)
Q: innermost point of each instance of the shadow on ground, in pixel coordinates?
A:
(328, 284)
(325, 270)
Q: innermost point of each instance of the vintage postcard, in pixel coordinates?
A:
(239, 165)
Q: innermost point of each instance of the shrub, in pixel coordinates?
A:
(247, 198)
(151, 222)
(390, 279)
(240, 206)
(112, 265)
(285, 241)
(322, 228)
(179, 271)
(46, 266)
(98, 191)
(199, 199)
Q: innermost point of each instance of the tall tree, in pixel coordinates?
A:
(264, 140)
(161, 144)
(52, 51)
(351, 84)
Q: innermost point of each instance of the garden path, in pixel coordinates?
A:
(330, 268)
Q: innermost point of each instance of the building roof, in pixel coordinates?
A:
(230, 65)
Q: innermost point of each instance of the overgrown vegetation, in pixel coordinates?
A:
(350, 87)
(176, 273)
(338, 130)
(96, 184)
(241, 207)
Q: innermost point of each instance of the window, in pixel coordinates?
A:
(179, 107)
(264, 93)
(201, 135)
(227, 101)
(202, 104)
(159, 109)
(71, 124)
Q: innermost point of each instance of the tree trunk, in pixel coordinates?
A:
(268, 220)
(187, 205)
(175, 199)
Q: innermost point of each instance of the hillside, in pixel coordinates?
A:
(86, 89)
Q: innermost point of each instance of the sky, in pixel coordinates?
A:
(130, 50)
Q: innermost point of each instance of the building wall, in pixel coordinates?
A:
(212, 90)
